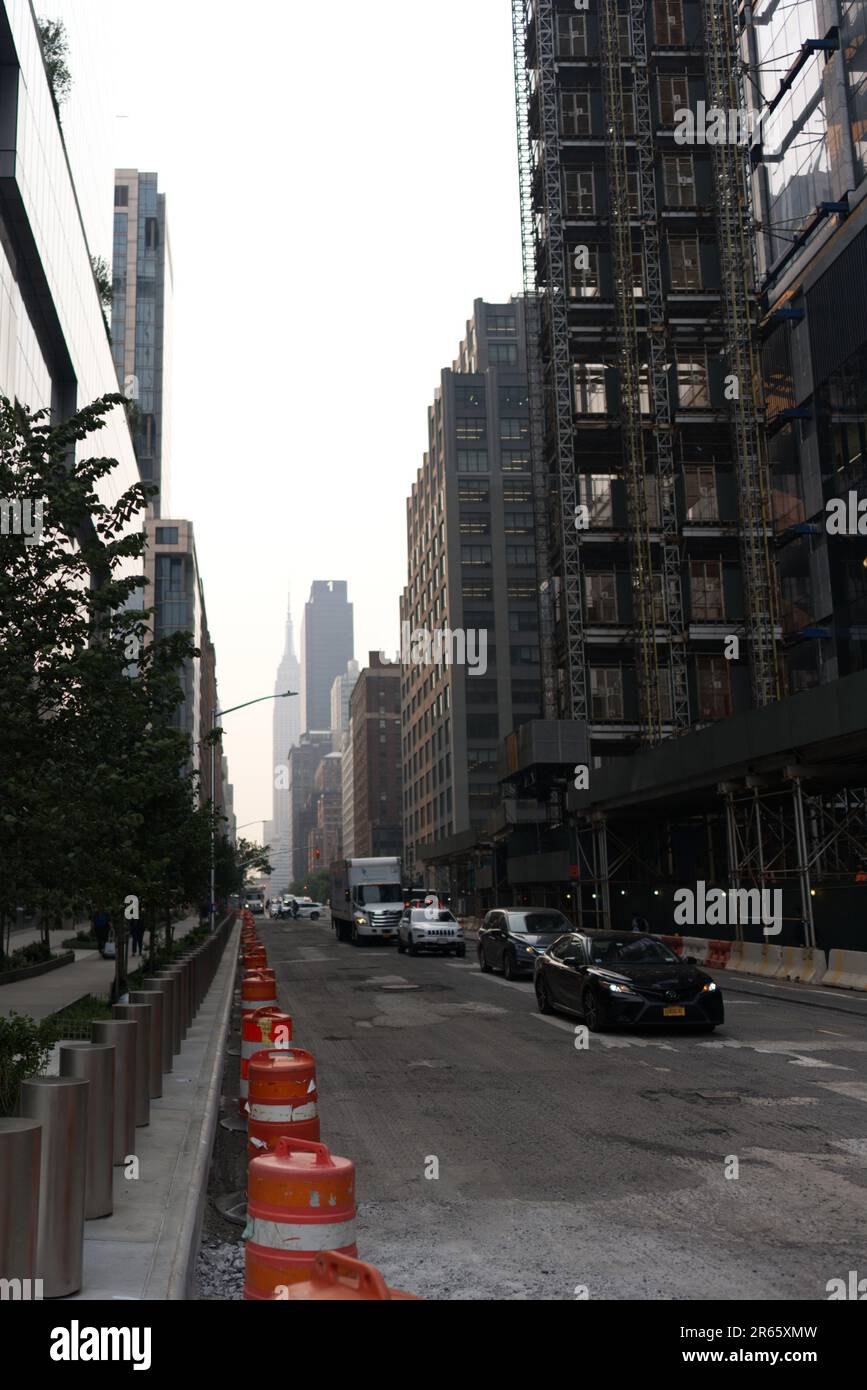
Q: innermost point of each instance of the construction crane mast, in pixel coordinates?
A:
(725, 88)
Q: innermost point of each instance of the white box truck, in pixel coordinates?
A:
(366, 899)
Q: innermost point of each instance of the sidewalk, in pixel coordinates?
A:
(89, 974)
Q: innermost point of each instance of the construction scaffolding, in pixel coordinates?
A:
(726, 92)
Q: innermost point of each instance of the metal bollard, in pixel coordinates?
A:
(59, 1104)
(122, 1034)
(140, 1014)
(95, 1063)
(168, 978)
(163, 988)
(20, 1149)
(154, 999)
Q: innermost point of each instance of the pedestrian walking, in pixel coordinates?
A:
(136, 932)
(101, 929)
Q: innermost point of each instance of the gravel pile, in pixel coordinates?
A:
(220, 1271)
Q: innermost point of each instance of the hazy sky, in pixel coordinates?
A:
(341, 185)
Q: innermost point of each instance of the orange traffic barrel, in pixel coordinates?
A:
(282, 1099)
(259, 1030)
(257, 992)
(301, 1201)
(340, 1279)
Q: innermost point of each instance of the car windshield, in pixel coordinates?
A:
(438, 915)
(370, 893)
(630, 950)
(535, 923)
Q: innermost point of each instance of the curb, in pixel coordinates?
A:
(173, 1265)
(29, 972)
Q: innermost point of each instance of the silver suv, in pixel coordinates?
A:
(430, 929)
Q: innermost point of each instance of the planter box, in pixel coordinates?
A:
(28, 972)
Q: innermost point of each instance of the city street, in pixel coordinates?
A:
(562, 1170)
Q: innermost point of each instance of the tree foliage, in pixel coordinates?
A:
(55, 51)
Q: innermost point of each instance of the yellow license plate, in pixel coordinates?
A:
(674, 1012)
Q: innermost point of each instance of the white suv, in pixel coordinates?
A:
(430, 928)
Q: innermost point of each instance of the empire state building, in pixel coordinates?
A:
(287, 732)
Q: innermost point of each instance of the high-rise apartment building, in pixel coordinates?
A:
(376, 760)
(55, 352)
(286, 733)
(471, 593)
(325, 838)
(341, 694)
(304, 759)
(326, 646)
(141, 321)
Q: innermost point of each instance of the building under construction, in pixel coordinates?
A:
(671, 752)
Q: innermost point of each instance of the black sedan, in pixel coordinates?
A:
(611, 979)
(510, 938)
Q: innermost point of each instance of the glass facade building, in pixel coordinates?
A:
(55, 352)
(141, 321)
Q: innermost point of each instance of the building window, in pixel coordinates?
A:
(668, 23)
(624, 24)
(121, 196)
(673, 97)
(473, 489)
(472, 461)
(520, 621)
(475, 554)
(606, 693)
(600, 502)
(693, 391)
(584, 276)
(502, 323)
(520, 555)
(638, 274)
(714, 690)
(518, 524)
(503, 354)
(514, 398)
(525, 656)
(685, 263)
(515, 461)
(514, 429)
(701, 496)
(600, 597)
(575, 114)
(590, 394)
(518, 491)
(521, 591)
(470, 397)
(679, 180)
(470, 427)
(633, 192)
(475, 525)
(152, 234)
(477, 593)
(580, 193)
(572, 35)
(706, 583)
(660, 608)
(167, 535)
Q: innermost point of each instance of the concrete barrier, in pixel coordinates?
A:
(718, 954)
(846, 970)
(696, 946)
(803, 964)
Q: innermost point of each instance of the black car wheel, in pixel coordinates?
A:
(542, 999)
(483, 960)
(314, 916)
(354, 934)
(595, 1013)
(509, 971)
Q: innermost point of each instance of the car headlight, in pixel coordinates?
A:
(706, 989)
(618, 989)
(361, 921)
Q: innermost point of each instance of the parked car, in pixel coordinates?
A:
(430, 929)
(510, 938)
(618, 978)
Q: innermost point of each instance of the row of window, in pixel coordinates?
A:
(514, 397)
(713, 689)
(475, 428)
(482, 555)
(577, 107)
(707, 595)
(669, 30)
(479, 490)
(692, 379)
(684, 269)
(478, 460)
(582, 186)
(701, 502)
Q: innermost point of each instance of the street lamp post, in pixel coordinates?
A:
(218, 714)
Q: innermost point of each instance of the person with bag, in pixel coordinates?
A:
(101, 929)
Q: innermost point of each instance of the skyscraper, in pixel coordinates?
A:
(472, 569)
(326, 646)
(287, 732)
(141, 321)
(376, 760)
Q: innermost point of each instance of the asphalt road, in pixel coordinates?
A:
(610, 1169)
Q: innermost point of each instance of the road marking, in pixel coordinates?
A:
(853, 1090)
(831, 1033)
